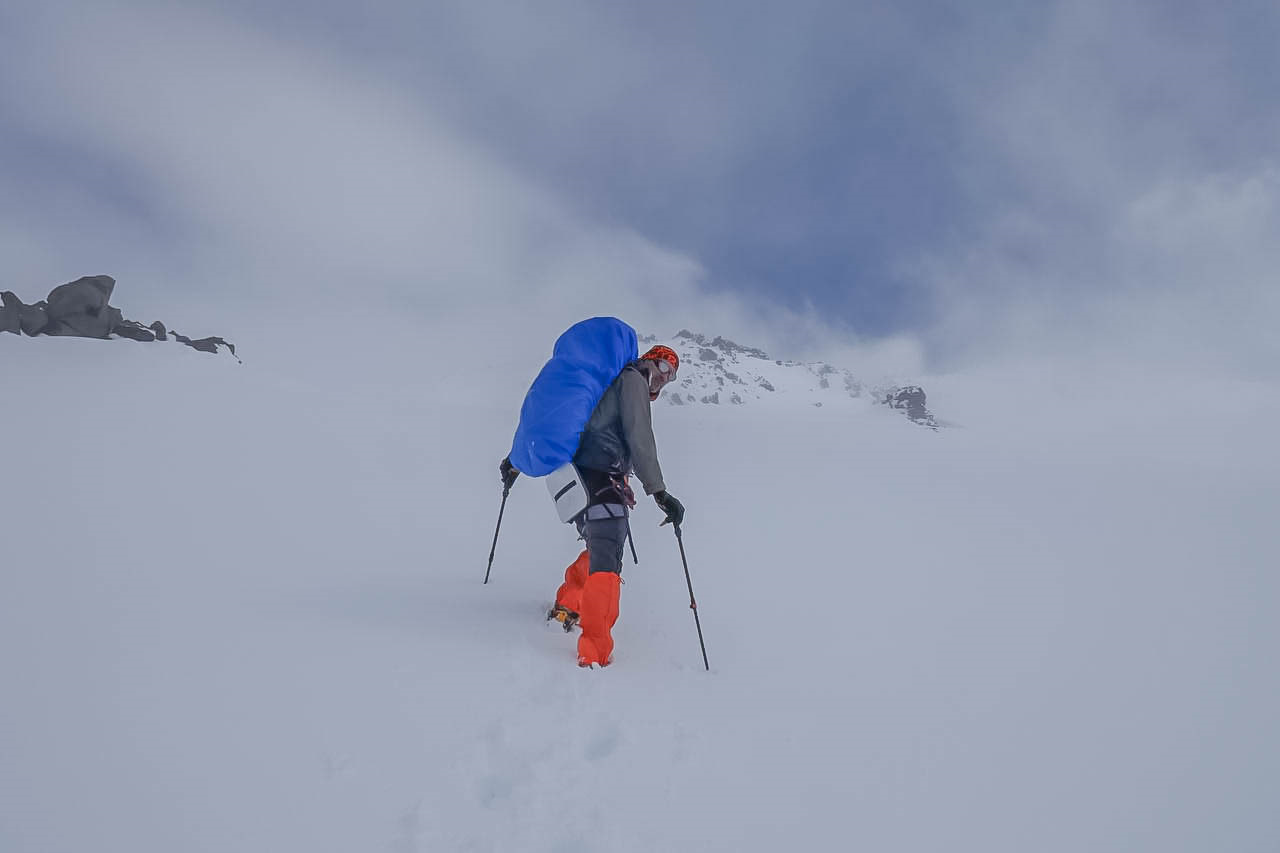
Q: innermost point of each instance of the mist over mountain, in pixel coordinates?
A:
(717, 371)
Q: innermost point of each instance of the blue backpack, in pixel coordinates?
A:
(585, 361)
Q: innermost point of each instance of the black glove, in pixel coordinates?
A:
(672, 507)
(509, 473)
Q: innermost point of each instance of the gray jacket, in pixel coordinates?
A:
(618, 438)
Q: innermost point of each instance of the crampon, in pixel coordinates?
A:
(566, 617)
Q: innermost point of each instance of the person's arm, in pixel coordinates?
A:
(637, 429)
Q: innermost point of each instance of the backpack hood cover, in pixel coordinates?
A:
(585, 361)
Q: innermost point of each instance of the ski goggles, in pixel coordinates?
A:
(660, 377)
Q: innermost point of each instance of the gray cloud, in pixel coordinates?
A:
(992, 181)
(987, 179)
(1136, 217)
(262, 169)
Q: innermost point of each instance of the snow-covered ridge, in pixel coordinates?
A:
(718, 371)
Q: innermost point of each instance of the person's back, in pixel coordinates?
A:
(618, 439)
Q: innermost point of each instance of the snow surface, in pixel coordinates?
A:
(241, 610)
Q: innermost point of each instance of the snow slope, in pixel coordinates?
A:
(241, 610)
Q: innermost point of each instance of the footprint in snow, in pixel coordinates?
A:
(603, 743)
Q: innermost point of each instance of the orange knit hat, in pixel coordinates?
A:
(667, 354)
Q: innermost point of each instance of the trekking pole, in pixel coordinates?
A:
(634, 559)
(693, 605)
(505, 491)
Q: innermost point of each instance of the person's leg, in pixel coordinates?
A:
(599, 613)
(605, 540)
(569, 595)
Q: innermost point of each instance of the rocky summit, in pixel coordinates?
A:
(717, 371)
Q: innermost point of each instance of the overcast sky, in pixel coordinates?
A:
(960, 181)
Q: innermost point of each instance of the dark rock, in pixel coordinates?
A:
(16, 316)
(723, 344)
(10, 312)
(135, 331)
(209, 344)
(910, 400)
(730, 347)
(82, 308)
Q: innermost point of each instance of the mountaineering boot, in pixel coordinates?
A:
(564, 616)
(599, 613)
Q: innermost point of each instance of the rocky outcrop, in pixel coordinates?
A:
(724, 345)
(82, 309)
(910, 400)
(716, 371)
